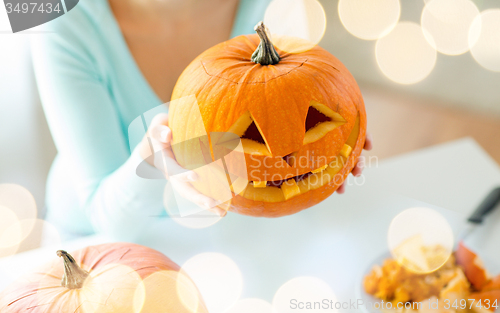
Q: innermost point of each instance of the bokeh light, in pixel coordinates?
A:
(166, 291)
(447, 24)
(43, 234)
(218, 279)
(303, 289)
(9, 240)
(484, 39)
(18, 214)
(20, 230)
(404, 55)
(305, 19)
(20, 201)
(420, 239)
(188, 293)
(369, 20)
(252, 305)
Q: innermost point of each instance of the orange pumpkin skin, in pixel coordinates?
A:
(227, 85)
(493, 284)
(492, 297)
(42, 291)
(472, 266)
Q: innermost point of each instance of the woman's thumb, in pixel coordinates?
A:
(162, 133)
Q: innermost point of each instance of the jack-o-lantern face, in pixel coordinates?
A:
(301, 120)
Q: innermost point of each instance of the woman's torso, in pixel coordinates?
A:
(134, 83)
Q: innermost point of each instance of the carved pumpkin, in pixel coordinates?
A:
(102, 279)
(493, 284)
(300, 117)
(490, 301)
(472, 265)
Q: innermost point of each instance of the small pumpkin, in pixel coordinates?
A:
(300, 117)
(100, 279)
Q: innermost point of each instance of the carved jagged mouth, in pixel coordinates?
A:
(282, 190)
(278, 183)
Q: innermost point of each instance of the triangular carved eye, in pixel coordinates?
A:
(320, 120)
(251, 138)
(314, 117)
(253, 133)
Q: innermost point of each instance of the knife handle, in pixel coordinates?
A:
(488, 204)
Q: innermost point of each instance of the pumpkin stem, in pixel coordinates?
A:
(265, 53)
(74, 276)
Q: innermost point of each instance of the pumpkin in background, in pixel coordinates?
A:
(490, 301)
(117, 277)
(472, 265)
(493, 284)
(300, 117)
(487, 289)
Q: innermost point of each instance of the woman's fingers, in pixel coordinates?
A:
(162, 134)
(218, 211)
(368, 142)
(157, 140)
(358, 169)
(160, 138)
(341, 189)
(166, 162)
(159, 133)
(187, 191)
(187, 176)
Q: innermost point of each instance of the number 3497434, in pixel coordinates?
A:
(470, 304)
(30, 8)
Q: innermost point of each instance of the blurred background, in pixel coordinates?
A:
(429, 72)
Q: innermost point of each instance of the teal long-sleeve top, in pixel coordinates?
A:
(91, 91)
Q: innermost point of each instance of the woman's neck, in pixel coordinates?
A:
(171, 9)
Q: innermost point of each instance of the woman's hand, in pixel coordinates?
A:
(358, 169)
(157, 142)
(156, 149)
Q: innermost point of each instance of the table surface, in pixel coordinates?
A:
(337, 239)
